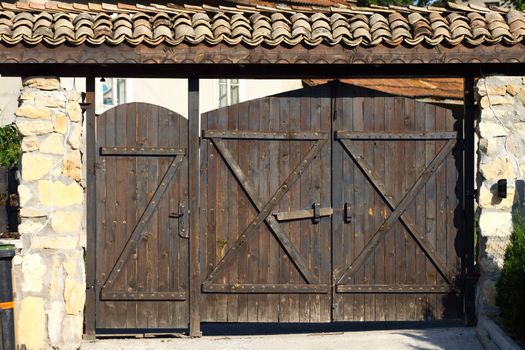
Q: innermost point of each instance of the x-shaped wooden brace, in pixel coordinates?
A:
(136, 235)
(397, 212)
(265, 209)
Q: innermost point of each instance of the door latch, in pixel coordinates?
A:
(182, 215)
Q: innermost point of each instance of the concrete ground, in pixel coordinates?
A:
(460, 338)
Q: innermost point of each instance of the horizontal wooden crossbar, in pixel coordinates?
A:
(394, 289)
(358, 135)
(301, 214)
(266, 288)
(159, 296)
(258, 135)
(141, 151)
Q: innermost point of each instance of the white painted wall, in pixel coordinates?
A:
(169, 93)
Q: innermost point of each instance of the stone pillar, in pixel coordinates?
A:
(49, 272)
(501, 155)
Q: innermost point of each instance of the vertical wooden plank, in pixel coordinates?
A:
(338, 189)
(380, 207)
(399, 191)
(91, 222)
(183, 270)
(264, 235)
(112, 247)
(163, 240)
(233, 209)
(253, 249)
(175, 268)
(245, 215)
(325, 177)
(430, 206)
(389, 242)
(223, 174)
(370, 214)
(193, 190)
(420, 212)
(360, 233)
(410, 179)
(273, 183)
(307, 310)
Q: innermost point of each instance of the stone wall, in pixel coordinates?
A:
(49, 272)
(501, 155)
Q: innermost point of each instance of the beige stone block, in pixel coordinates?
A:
(53, 144)
(28, 212)
(34, 127)
(32, 112)
(494, 100)
(55, 318)
(61, 123)
(45, 241)
(74, 296)
(74, 96)
(488, 199)
(492, 146)
(56, 285)
(72, 332)
(67, 221)
(74, 112)
(73, 165)
(48, 101)
(36, 165)
(24, 194)
(42, 83)
(75, 136)
(522, 170)
(70, 266)
(30, 226)
(30, 144)
(26, 96)
(498, 168)
(488, 130)
(495, 223)
(32, 271)
(31, 327)
(60, 193)
(513, 89)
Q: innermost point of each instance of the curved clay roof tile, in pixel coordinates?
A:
(302, 23)
(82, 17)
(297, 16)
(22, 31)
(5, 30)
(121, 22)
(121, 31)
(142, 31)
(242, 31)
(301, 31)
(203, 31)
(142, 22)
(64, 32)
(43, 31)
(319, 16)
(162, 31)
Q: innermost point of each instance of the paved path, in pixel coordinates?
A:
(460, 338)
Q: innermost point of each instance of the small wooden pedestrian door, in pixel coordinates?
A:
(331, 203)
(142, 219)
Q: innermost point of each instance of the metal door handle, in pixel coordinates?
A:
(315, 214)
(182, 215)
(347, 213)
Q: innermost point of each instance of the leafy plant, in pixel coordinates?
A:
(511, 285)
(9, 146)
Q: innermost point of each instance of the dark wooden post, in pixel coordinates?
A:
(470, 278)
(194, 182)
(91, 144)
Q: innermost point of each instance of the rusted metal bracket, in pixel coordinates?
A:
(182, 215)
(304, 214)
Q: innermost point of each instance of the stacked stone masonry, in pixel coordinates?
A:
(501, 155)
(49, 272)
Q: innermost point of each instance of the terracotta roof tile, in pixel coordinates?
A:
(340, 22)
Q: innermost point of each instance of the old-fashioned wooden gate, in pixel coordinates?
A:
(331, 203)
(142, 218)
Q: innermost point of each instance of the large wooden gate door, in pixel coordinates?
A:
(141, 242)
(398, 216)
(266, 207)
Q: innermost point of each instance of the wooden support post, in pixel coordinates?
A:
(470, 276)
(91, 145)
(193, 186)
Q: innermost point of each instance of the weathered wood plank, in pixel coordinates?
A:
(267, 288)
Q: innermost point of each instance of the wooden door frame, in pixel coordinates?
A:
(467, 72)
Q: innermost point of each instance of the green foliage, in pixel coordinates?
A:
(511, 285)
(9, 146)
(518, 4)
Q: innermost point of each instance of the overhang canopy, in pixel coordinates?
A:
(253, 34)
